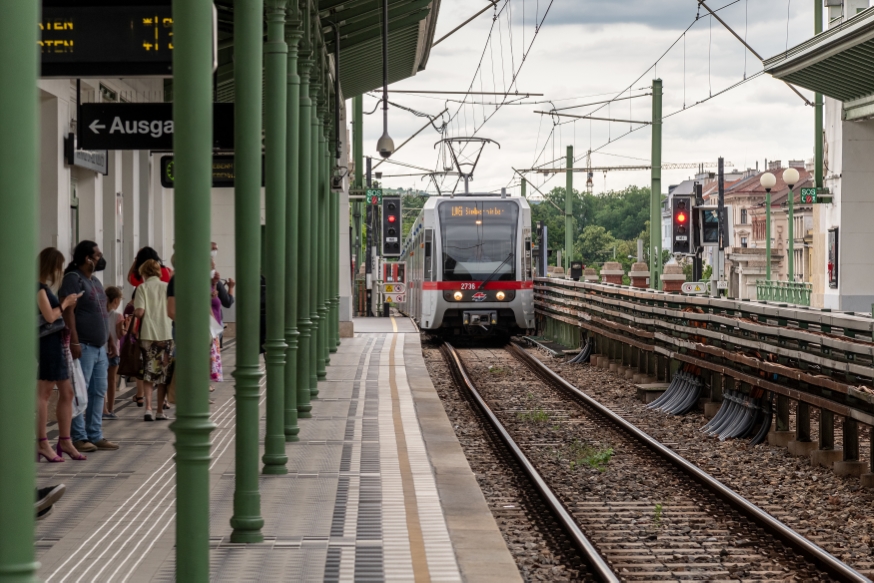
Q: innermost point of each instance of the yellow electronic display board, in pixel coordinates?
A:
(473, 209)
(124, 39)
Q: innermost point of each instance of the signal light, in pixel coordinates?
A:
(392, 218)
(681, 218)
(391, 227)
(681, 241)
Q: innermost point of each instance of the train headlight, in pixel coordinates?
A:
(500, 295)
(458, 296)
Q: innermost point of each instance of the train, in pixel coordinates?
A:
(469, 266)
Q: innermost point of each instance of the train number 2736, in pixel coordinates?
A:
(468, 286)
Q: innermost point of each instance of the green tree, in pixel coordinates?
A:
(623, 213)
(595, 245)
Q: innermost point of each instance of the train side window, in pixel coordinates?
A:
(429, 239)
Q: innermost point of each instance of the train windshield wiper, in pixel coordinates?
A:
(489, 278)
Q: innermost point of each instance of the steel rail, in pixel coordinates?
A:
(594, 559)
(807, 549)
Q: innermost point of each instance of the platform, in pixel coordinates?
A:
(378, 488)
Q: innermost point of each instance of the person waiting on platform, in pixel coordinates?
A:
(88, 336)
(156, 335)
(117, 330)
(53, 369)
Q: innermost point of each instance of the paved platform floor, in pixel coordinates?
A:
(378, 488)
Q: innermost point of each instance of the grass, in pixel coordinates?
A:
(582, 454)
(657, 516)
(497, 370)
(538, 415)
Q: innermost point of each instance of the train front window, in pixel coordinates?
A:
(479, 240)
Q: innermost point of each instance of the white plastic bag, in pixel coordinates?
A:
(80, 389)
(215, 329)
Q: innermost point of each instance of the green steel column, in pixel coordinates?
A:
(304, 242)
(19, 197)
(276, 70)
(768, 234)
(791, 237)
(655, 211)
(313, 243)
(358, 154)
(817, 124)
(569, 210)
(335, 261)
(292, 193)
(247, 521)
(324, 243)
(192, 145)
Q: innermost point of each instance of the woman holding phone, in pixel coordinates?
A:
(53, 368)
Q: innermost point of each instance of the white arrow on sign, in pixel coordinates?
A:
(96, 125)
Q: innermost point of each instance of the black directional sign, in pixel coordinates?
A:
(143, 126)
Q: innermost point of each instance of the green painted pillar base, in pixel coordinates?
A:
(304, 407)
(292, 429)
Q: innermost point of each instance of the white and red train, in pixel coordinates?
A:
(469, 266)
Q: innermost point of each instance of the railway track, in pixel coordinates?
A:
(635, 509)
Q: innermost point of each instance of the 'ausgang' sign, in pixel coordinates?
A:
(143, 126)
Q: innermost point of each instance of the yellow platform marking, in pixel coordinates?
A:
(411, 506)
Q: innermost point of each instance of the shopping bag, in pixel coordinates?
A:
(131, 362)
(80, 389)
(215, 329)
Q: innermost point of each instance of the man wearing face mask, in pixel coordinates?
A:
(89, 332)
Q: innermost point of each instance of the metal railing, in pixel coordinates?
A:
(790, 292)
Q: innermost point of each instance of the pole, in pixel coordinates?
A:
(791, 236)
(524, 188)
(817, 125)
(358, 155)
(767, 234)
(304, 240)
(192, 144)
(655, 210)
(19, 158)
(716, 273)
(569, 210)
(293, 35)
(247, 521)
(324, 244)
(313, 243)
(275, 119)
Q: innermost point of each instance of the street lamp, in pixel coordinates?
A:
(768, 181)
(790, 177)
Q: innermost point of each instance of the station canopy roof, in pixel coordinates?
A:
(411, 25)
(836, 63)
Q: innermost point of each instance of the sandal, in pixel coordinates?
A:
(138, 401)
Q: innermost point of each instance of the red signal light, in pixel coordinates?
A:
(681, 218)
(391, 218)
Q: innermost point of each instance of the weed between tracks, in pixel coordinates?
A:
(538, 415)
(582, 454)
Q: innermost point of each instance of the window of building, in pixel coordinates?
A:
(743, 216)
(743, 242)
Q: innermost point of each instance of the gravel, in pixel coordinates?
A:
(834, 512)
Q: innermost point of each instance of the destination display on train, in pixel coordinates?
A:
(478, 209)
(95, 39)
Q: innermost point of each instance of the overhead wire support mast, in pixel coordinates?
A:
(751, 49)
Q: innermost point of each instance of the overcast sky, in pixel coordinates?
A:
(591, 50)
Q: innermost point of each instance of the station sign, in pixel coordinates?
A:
(97, 160)
(223, 171)
(695, 287)
(143, 126)
(374, 195)
(100, 39)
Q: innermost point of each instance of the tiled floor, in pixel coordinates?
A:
(362, 500)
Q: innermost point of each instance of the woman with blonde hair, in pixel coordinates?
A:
(53, 369)
(156, 335)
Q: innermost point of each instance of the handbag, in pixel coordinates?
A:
(46, 328)
(131, 358)
(77, 378)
